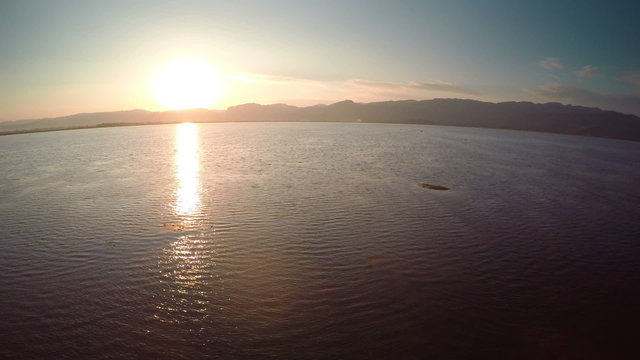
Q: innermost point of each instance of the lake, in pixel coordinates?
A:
(317, 241)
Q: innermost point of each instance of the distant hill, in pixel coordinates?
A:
(106, 118)
(550, 117)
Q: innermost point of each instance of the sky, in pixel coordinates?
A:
(63, 57)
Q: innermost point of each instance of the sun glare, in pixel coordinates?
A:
(186, 83)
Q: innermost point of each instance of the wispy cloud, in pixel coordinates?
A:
(270, 79)
(633, 77)
(588, 71)
(415, 85)
(625, 103)
(551, 63)
(443, 86)
(289, 89)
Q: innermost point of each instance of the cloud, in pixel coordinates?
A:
(266, 88)
(633, 77)
(415, 85)
(625, 103)
(550, 63)
(442, 86)
(588, 71)
(269, 79)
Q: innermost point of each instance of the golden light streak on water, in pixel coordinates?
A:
(187, 164)
(186, 262)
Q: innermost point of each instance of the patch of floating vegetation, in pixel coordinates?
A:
(434, 187)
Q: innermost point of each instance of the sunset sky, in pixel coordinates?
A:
(63, 57)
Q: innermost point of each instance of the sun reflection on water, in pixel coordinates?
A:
(186, 267)
(186, 264)
(187, 163)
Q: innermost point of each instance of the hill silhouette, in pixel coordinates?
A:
(549, 117)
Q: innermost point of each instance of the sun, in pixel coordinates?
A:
(186, 83)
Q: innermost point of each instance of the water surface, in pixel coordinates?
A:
(316, 241)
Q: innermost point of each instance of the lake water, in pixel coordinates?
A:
(316, 241)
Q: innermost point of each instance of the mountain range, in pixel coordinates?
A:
(549, 117)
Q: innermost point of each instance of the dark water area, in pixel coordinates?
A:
(317, 241)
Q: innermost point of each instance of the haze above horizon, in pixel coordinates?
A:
(65, 57)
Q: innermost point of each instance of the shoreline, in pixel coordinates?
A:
(113, 125)
(104, 125)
